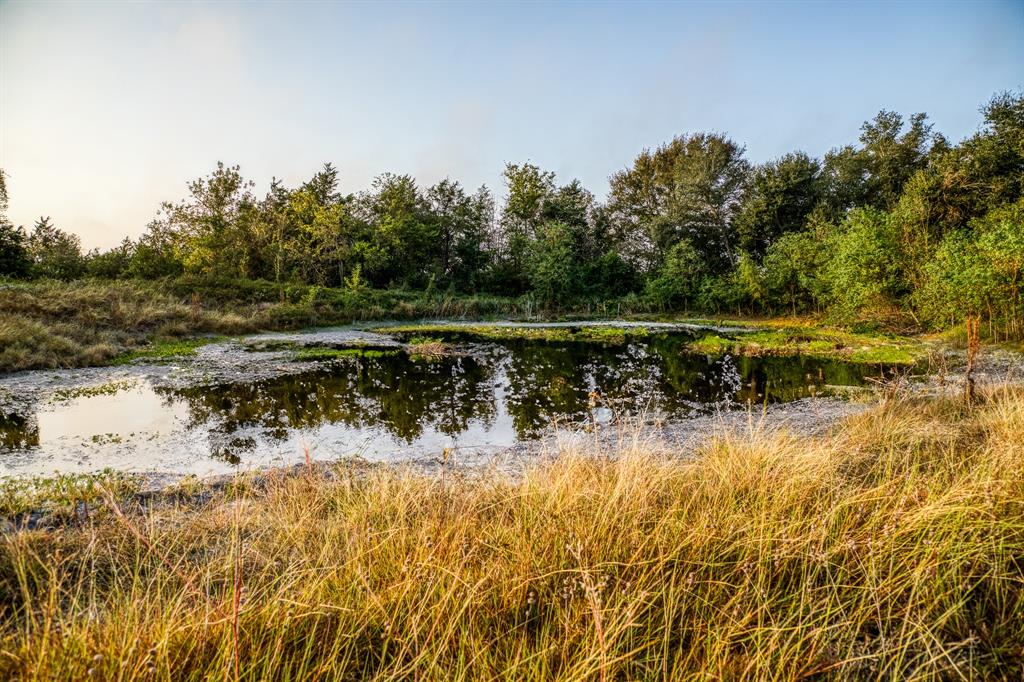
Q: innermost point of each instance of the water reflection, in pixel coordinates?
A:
(392, 391)
(394, 405)
(529, 385)
(18, 432)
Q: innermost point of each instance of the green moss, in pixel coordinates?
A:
(887, 355)
(315, 353)
(106, 439)
(109, 388)
(271, 345)
(816, 342)
(423, 341)
(166, 349)
(318, 354)
(712, 344)
(595, 334)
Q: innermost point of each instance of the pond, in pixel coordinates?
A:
(389, 404)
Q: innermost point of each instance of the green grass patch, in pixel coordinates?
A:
(166, 349)
(319, 354)
(108, 388)
(816, 342)
(59, 494)
(484, 332)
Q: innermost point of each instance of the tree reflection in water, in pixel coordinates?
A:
(487, 395)
(528, 384)
(393, 391)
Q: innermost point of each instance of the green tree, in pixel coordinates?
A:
(963, 182)
(678, 279)
(403, 245)
(212, 227)
(638, 198)
(112, 263)
(273, 234)
(792, 267)
(780, 197)
(55, 253)
(4, 198)
(574, 206)
(1001, 248)
(554, 270)
(155, 254)
(571, 205)
(690, 188)
(750, 283)
(462, 224)
(978, 271)
(957, 282)
(449, 209)
(874, 173)
(321, 229)
(863, 269)
(14, 256)
(610, 276)
(528, 191)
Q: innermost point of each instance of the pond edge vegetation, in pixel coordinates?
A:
(746, 338)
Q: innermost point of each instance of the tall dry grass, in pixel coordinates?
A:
(73, 324)
(894, 548)
(48, 324)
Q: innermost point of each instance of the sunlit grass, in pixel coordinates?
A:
(818, 342)
(321, 354)
(891, 549)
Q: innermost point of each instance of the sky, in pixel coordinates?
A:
(109, 108)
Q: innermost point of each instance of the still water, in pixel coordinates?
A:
(388, 405)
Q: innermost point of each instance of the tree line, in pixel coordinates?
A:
(901, 224)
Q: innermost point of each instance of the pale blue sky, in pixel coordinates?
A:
(106, 108)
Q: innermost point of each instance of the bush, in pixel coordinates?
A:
(863, 269)
(978, 272)
(678, 279)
